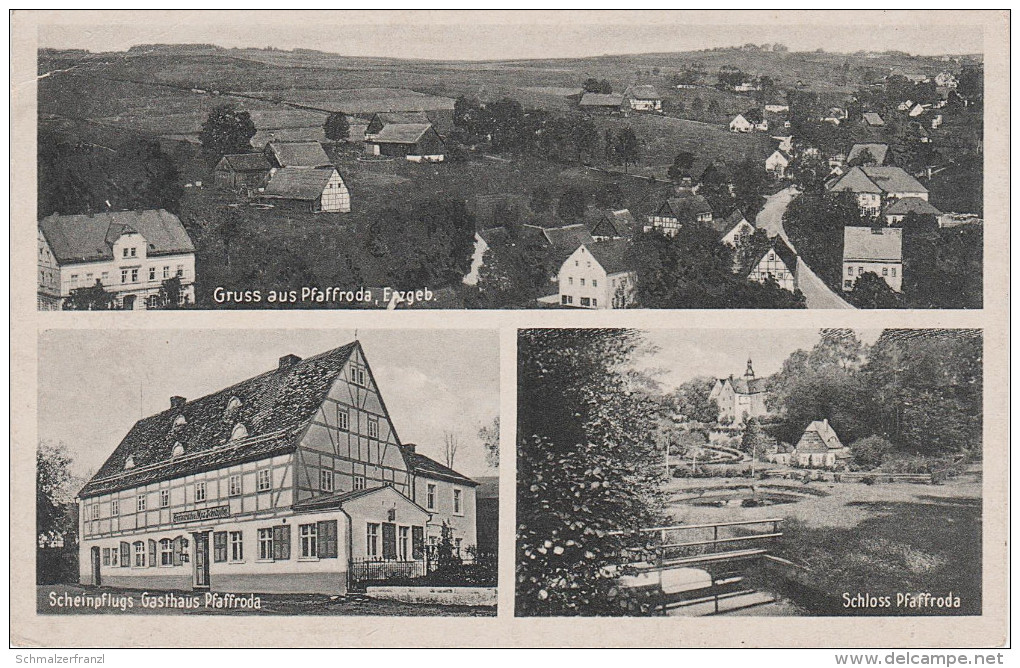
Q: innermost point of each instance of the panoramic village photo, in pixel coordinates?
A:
(430, 166)
(270, 479)
(766, 472)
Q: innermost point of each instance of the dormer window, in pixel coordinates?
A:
(180, 421)
(129, 463)
(233, 405)
(239, 432)
(178, 450)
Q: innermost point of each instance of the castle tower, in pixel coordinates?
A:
(750, 371)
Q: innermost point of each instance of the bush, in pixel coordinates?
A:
(870, 452)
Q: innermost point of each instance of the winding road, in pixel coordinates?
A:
(816, 293)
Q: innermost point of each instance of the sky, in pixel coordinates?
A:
(94, 384)
(686, 353)
(494, 36)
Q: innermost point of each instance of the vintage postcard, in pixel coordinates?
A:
(510, 328)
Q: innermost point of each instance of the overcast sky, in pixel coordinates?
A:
(686, 353)
(449, 36)
(94, 385)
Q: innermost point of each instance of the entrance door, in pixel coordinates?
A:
(201, 560)
(97, 578)
(129, 302)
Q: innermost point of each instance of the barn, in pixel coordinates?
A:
(417, 142)
(241, 171)
(314, 190)
(383, 118)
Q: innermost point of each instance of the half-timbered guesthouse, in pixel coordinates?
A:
(285, 482)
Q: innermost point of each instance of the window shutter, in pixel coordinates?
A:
(327, 539)
(178, 549)
(281, 541)
(125, 554)
(418, 542)
(219, 546)
(152, 553)
(389, 540)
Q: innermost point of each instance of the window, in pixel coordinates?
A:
(585, 301)
(200, 491)
(404, 543)
(180, 270)
(114, 556)
(239, 432)
(114, 508)
(236, 546)
(266, 544)
(134, 275)
(166, 552)
(848, 284)
(164, 498)
(219, 546)
(373, 427)
(309, 541)
(582, 281)
(105, 277)
(359, 482)
(265, 480)
(178, 450)
(458, 501)
(885, 271)
(139, 554)
(343, 418)
(326, 480)
(235, 485)
(106, 556)
(594, 302)
(570, 280)
(152, 273)
(166, 272)
(372, 540)
(141, 502)
(430, 496)
(134, 252)
(94, 513)
(849, 271)
(358, 375)
(123, 275)
(894, 271)
(125, 252)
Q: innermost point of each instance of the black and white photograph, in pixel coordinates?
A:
(751, 472)
(220, 472)
(509, 166)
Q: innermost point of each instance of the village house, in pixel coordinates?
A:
(783, 143)
(873, 119)
(894, 213)
(749, 121)
(614, 225)
(946, 79)
(879, 154)
(642, 98)
(243, 172)
(602, 102)
(820, 447)
(598, 276)
(777, 107)
(876, 186)
(779, 262)
(381, 119)
(416, 142)
(878, 250)
(312, 190)
(130, 253)
(683, 209)
(300, 154)
(733, 227)
(293, 481)
(777, 163)
(740, 398)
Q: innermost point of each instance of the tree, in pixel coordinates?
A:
(227, 130)
(231, 226)
(572, 205)
(53, 493)
(171, 293)
(691, 403)
(337, 127)
(588, 466)
(541, 199)
(593, 85)
(753, 438)
(92, 298)
(628, 147)
(871, 291)
(585, 137)
(682, 165)
(513, 273)
(869, 452)
(489, 436)
(450, 446)
(750, 182)
(864, 157)
(609, 196)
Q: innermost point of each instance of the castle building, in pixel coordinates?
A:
(740, 398)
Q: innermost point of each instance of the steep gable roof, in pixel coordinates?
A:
(642, 92)
(894, 179)
(90, 237)
(621, 222)
(726, 225)
(298, 183)
(601, 100)
(274, 407)
(825, 432)
(880, 244)
(783, 251)
(745, 385)
(613, 255)
(871, 118)
(299, 154)
(568, 237)
(401, 133)
(400, 117)
(905, 205)
(877, 151)
(686, 208)
(430, 468)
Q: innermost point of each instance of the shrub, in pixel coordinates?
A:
(870, 452)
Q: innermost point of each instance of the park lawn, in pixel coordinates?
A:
(271, 604)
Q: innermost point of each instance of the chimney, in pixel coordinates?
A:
(410, 447)
(287, 361)
(177, 402)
